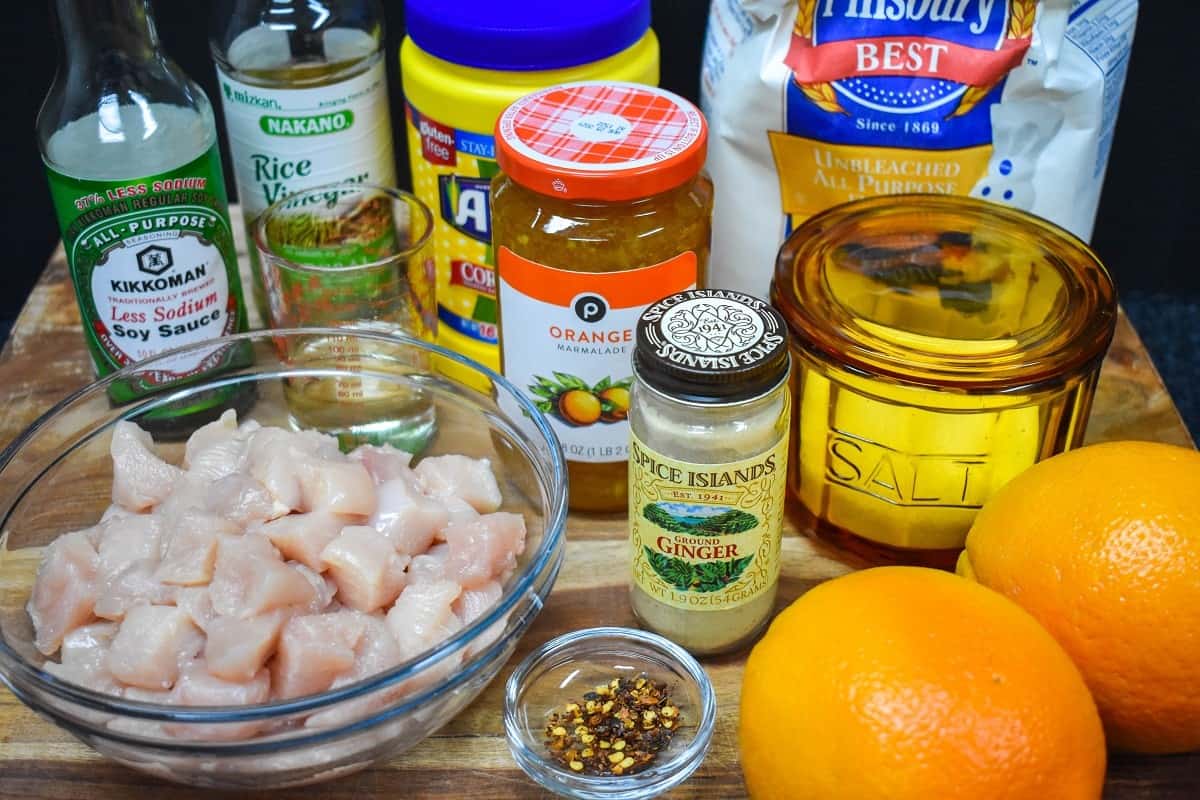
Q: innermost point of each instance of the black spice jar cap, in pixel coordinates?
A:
(711, 346)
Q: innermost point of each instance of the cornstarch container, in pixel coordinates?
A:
(463, 63)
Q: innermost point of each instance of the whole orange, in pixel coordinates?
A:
(1102, 545)
(913, 684)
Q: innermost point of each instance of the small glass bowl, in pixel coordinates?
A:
(565, 668)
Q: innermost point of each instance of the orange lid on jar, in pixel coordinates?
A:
(601, 140)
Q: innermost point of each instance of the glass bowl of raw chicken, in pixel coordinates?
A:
(245, 579)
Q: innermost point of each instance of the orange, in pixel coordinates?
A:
(1102, 545)
(908, 683)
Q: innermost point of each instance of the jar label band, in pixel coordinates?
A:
(706, 537)
(568, 342)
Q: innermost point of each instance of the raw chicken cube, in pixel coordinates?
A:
(459, 511)
(342, 487)
(408, 519)
(84, 658)
(484, 549)
(64, 591)
(274, 461)
(198, 686)
(324, 590)
(140, 478)
(423, 616)
(237, 649)
(474, 603)
(216, 449)
(250, 578)
(243, 501)
(151, 645)
(376, 652)
(126, 540)
(429, 566)
(302, 537)
(470, 479)
(281, 460)
(313, 651)
(368, 572)
(384, 463)
(190, 555)
(134, 586)
(196, 601)
(192, 519)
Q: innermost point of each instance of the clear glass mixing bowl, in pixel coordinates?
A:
(56, 477)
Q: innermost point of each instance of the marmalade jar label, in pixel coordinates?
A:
(705, 537)
(569, 344)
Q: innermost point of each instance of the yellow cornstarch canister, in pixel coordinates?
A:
(460, 71)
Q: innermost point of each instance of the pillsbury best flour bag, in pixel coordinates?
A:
(815, 102)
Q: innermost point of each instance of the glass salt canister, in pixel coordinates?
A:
(709, 416)
(942, 345)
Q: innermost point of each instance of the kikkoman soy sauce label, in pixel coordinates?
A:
(705, 536)
(153, 264)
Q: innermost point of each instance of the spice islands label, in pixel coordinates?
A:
(705, 536)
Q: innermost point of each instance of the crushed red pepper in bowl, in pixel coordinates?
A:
(609, 714)
(616, 729)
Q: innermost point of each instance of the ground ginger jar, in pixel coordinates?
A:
(599, 211)
(942, 345)
(707, 468)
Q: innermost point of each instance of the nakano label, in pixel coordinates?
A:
(307, 126)
(285, 140)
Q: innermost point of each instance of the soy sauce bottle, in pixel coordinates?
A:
(130, 149)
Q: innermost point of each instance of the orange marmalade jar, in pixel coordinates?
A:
(600, 210)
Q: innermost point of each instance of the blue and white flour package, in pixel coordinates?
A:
(812, 103)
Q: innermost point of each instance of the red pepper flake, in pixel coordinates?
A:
(617, 729)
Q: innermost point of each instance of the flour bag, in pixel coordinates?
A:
(812, 103)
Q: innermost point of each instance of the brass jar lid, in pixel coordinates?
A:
(948, 292)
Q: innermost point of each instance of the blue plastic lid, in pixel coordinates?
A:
(525, 35)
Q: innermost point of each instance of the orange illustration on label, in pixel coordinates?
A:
(567, 339)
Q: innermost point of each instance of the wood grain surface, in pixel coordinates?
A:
(45, 359)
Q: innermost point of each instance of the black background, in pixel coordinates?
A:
(1146, 230)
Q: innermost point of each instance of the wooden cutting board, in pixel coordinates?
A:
(45, 359)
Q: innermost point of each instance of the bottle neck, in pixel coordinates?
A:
(93, 28)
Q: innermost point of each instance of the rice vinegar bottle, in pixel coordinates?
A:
(304, 90)
(130, 149)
